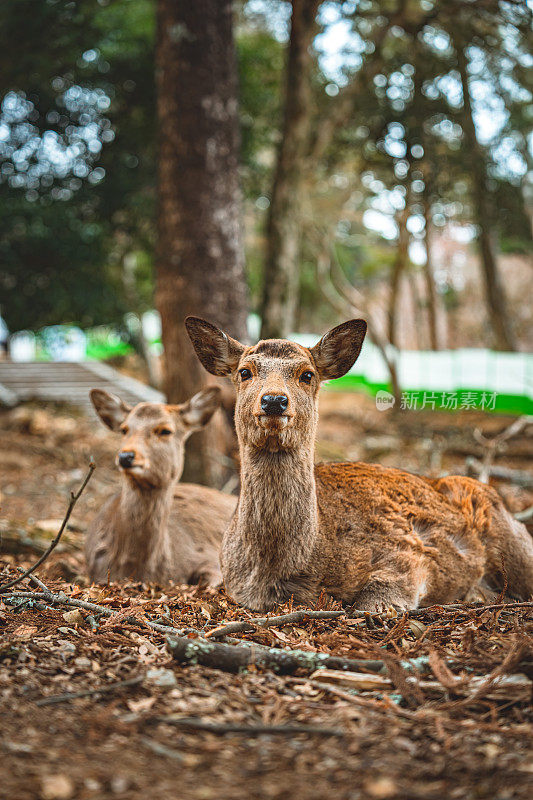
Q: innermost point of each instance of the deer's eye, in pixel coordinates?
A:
(245, 374)
(164, 432)
(306, 377)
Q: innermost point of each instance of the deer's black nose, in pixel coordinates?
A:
(126, 458)
(273, 405)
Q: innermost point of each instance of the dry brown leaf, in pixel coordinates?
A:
(417, 628)
(380, 787)
(57, 787)
(24, 632)
(144, 704)
(279, 635)
(74, 617)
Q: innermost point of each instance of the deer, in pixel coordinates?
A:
(154, 528)
(370, 537)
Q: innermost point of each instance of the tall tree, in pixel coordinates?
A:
(431, 290)
(280, 293)
(199, 257)
(308, 130)
(398, 271)
(500, 322)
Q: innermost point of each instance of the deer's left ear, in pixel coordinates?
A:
(110, 408)
(197, 411)
(218, 352)
(339, 349)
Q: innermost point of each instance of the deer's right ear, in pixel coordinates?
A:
(197, 412)
(218, 352)
(110, 408)
(339, 349)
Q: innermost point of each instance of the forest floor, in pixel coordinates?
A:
(455, 723)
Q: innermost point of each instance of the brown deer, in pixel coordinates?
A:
(153, 529)
(370, 536)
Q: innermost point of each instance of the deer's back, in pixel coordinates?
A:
(385, 522)
(201, 513)
(187, 551)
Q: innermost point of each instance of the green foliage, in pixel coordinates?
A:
(55, 267)
(70, 222)
(261, 60)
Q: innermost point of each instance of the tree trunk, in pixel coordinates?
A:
(280, 291)
(428, 170)
(398, 269)
(200, 267)
(417, 302)
(431, 292)
(499, 319)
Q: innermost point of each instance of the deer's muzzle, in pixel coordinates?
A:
(274, 405)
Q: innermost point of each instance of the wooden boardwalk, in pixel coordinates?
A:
(67, 382)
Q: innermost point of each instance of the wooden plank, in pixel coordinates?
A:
(8, 397)
(69, 382)
(144, 392)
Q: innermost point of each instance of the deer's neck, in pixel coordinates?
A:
(277, 517)
(142, 526)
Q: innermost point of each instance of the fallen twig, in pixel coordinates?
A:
(517, 476)
(370, 704)
(356, 681)
(466, 609)
(68, 696)
(62, 599)
(496, 444)
(249, 625)
(38, 582)
(221, 728)
(500, 687)
(523, 516)
(73, 500)
(161, 749)
(232, 658)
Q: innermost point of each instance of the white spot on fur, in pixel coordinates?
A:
(420, 593)
(423, 531)
(459, 543)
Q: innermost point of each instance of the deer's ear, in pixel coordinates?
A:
(218, 352)
(197, 411)
(339, 349)
(110, 408)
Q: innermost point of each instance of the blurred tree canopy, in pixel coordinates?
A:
(78, 161)
(386, 129)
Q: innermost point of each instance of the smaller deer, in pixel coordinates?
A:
(369, 536)
(153, 529)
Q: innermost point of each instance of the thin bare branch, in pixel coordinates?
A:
(478, 468)
(241, 626)
(73, 500)
(497, 443)
(110, 687)
(62, 599)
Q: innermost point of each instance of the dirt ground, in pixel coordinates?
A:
(433, 733)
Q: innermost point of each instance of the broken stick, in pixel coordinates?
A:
(231, 658)
(249, 625)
